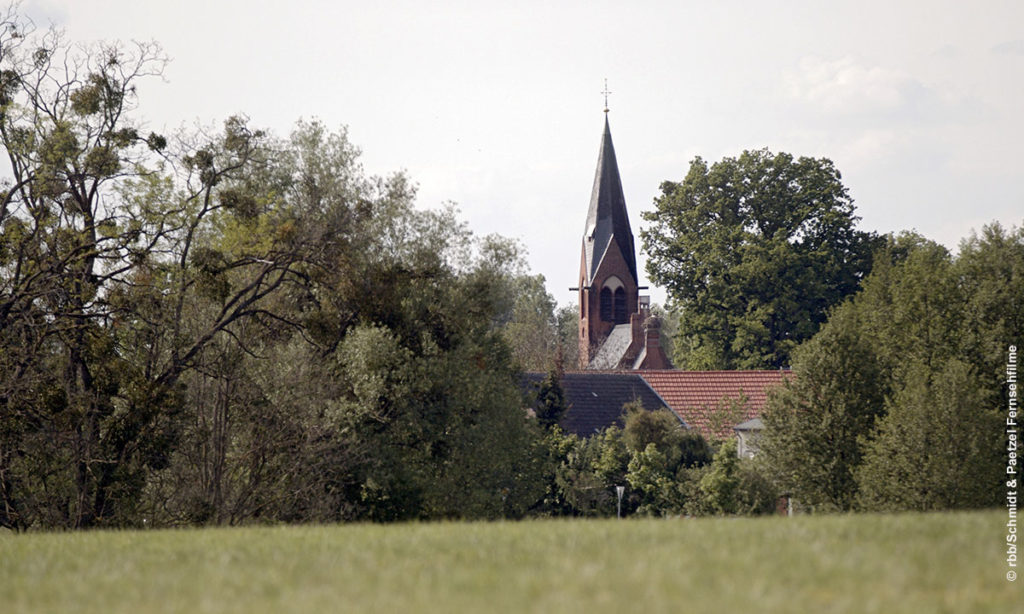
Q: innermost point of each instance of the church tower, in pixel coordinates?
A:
(615, 327)
(608, 290)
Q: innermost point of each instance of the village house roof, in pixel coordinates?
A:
(704, 399)
(596, 399)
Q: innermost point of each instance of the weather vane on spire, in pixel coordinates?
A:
(606, 92)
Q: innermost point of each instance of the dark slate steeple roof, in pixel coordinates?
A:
(607, 220)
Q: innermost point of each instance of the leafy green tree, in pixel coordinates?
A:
(681, 447)
(112, 285)
(257, 270)
(588, 473)
(428, 381)
(556, 447)
(228, 327)
(73, 244)
(815, 423)
(643, 427)
(567, 328)
(396, 382)
(732, 485)
(532, 329)
(754, 251)
(934, 449)
(946, 334)
(651, 475)
(757, 495)
(613, 456)
(990, 267)
(721, 484)
(663, 454)
(551, 404)
(903, 380)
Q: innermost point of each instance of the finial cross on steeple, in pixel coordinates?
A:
(606, 92)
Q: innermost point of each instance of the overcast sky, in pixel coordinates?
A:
(497, 106)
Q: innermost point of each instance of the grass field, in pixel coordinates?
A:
(905, 563)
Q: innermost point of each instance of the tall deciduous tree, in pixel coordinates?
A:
(893, 404)
(112, 282)
(68, 240)
(377, 383)
(754, 251)
(937, 446)
(814, 425)
(662, 455)
(532, 330)
(990, 267)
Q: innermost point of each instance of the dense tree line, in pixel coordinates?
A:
(897, 403)
(898, 346)
(225, 326)
(229, 326)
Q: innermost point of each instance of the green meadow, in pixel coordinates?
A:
(864, 563)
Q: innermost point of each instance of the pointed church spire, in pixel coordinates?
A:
(612, 331)
(607, 220)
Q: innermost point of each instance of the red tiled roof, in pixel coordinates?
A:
(701, 398)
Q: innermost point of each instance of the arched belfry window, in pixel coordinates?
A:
(621, 314)
(606, 304)
(613, 301)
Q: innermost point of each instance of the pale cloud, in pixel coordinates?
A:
(1014, 47)
(947, 52)
(847, 87)
(45, 12)
(872, 146)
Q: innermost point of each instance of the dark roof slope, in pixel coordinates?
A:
(595, 399)
(607, 219)
(613, 349)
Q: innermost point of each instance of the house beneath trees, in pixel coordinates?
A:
(717, 404)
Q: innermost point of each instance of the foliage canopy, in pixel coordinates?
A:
(753, 251)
